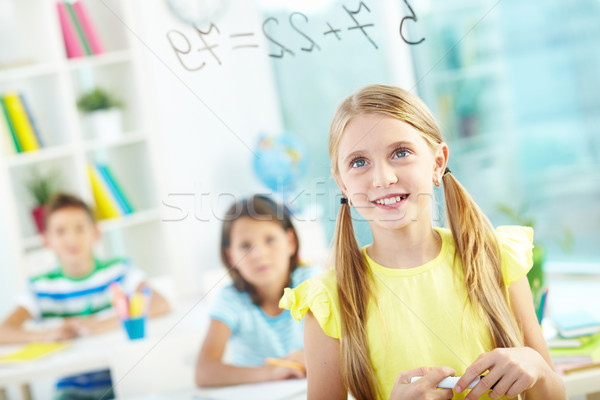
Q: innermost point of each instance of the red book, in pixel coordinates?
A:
(72, 44)
(90, 32)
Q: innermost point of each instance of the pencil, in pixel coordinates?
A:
(286, 363)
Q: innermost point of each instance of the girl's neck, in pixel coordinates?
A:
(408, 247)
(269, 298)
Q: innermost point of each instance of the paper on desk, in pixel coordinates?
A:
(260, 391)
(33, 351)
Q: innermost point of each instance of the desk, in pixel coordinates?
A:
(586, 382)
(97, 352)
(293, 389)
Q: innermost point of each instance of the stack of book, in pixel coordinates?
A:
(108, 195)
(578, 341)
(79, 34)
(18, 130)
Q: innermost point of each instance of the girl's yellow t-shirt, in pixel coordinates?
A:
(420, 316)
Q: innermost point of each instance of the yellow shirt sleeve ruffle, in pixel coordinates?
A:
(516, 244)
(313, 294)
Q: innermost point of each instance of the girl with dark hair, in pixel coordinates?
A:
(259, 248)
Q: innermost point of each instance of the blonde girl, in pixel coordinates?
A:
(420, 300)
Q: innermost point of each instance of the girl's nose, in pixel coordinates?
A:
(384, 175)
(257, 251)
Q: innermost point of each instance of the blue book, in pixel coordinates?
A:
(577, 323)
(36, 131)
(114, 188)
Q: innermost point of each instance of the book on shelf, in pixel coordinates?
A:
(89, 30)
(9, 144)
(577, 323)
(79, 33)
(115, 189)
(109, 198)
(73, 46)
(78, 29)
(21, 124)
(34, 125)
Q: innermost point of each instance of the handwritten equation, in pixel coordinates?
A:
(182, 46)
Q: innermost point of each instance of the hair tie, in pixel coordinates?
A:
(343, 200)
(447, 171)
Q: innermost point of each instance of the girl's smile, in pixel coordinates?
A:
(391, 201)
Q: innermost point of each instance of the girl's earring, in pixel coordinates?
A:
(437, 183)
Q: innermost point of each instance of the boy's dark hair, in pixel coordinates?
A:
(261, 208)
(65, 200)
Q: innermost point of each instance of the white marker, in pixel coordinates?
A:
(450, 382)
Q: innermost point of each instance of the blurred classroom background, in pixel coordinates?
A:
(219, 99)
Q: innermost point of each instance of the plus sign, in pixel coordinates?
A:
(334, 31)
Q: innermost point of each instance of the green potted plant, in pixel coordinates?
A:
(42, 188)
(102, 113)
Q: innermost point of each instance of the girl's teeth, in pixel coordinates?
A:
(390, 200)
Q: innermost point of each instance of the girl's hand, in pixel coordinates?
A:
(296, 356)
(278, 373)
(424, 388)
(512, 371)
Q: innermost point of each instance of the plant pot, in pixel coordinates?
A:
(104, 124)
(38, 214)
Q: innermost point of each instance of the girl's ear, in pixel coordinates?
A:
(292, 241)
(440, 161)
(339, 182)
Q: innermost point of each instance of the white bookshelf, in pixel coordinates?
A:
(33, 62)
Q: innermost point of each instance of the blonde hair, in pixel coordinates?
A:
(475, 239)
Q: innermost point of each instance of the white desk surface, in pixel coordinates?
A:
(292, 389)
(93, 353)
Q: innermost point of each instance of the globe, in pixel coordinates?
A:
(280, 161)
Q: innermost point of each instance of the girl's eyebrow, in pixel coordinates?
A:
(392, 146)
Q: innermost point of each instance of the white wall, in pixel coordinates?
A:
(204, 151)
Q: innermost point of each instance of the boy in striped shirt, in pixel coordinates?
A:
(77, 292)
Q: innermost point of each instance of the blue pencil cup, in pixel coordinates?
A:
(135, 327)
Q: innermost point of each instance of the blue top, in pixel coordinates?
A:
(254, 334)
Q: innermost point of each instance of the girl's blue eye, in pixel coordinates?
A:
(358, 163)
(245, 246)
(400, 153)
(270, 239)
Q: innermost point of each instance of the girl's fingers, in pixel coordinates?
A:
(518, 387)
(482, 364)
(404, 376)
(486, 383)
(436, 375)
(503, 385)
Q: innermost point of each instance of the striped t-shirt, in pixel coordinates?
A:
(254, 334)
(55, 294)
